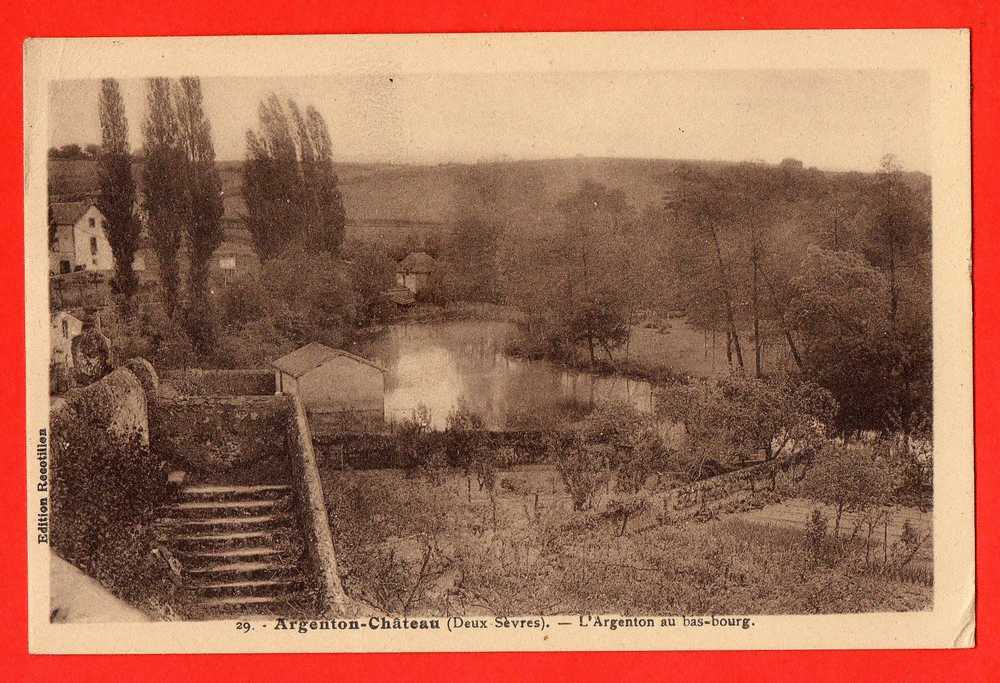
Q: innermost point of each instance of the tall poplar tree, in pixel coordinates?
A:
(289, 182)
(201, 206)
(163, 195)
(330, 214)
(117, 191)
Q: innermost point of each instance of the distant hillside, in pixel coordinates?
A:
(381, 197)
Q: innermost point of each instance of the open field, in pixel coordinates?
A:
(408, 545)
(682, 348)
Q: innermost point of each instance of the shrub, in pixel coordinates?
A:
(242, 301)
(734, 418)
(816, 535)
(104, 487)
(850, 479)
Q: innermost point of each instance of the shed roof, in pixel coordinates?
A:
(312, 355)
(68, 213)
(418, 262)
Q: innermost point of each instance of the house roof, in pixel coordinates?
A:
(68, 213)
(417, 262)
(312, 355)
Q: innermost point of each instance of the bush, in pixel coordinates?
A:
(816, 535)
(850, 479)
(104, 488)
(242, 301)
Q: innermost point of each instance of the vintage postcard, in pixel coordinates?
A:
(607, 341)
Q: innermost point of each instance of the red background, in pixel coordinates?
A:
(183, 17)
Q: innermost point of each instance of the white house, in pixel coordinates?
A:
(63, 327)
(337, 388)
(80, 241)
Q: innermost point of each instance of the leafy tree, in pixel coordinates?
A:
(593, 215)
(850, 479)
(617, 442)
(372, 273)
(769, 414)
(472, 249)
(598, 322)
(271, 184)
(117, 194)
(290, 183)
(330, 217)
(203, 209)
(898, 228)
(737, 416)
(311, 294)
(878, 371)
(699, 201)
(163, 189)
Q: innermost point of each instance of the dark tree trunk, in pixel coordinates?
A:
(730, 317)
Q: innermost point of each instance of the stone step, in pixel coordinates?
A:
(249, 587)
(199, 508)
(289, 555)
(215, 541)
(244, 569)
(207, 556)
(229, 492)
(220, 607)
(249, 523)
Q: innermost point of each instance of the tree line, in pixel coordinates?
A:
(292, 200)
(834, 267)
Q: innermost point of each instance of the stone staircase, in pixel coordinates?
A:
(234, 550)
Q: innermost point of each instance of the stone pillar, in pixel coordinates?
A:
(91, 351)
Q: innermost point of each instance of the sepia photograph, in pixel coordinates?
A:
(425, 350)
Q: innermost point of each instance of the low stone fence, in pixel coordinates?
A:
(734, 491)
(372, 450)
(238, 436)
(196, 382)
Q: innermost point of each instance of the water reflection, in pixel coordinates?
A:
(444, 365)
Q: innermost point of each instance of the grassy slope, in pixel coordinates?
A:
(553, 560)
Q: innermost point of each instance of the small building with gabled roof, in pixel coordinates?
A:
(414, 271)
(340, 391)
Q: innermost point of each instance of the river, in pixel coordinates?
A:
(442, 366)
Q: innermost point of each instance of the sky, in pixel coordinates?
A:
(837, 120)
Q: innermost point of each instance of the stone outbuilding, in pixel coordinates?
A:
(414, 272)
(338, 389)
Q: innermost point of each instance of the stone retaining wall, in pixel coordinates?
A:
(741, 489)
(308, 490)
(195, 382)
(241, 437)
(116, 402)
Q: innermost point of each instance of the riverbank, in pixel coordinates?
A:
(459, 311)
(639, 370)
(664, 351)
